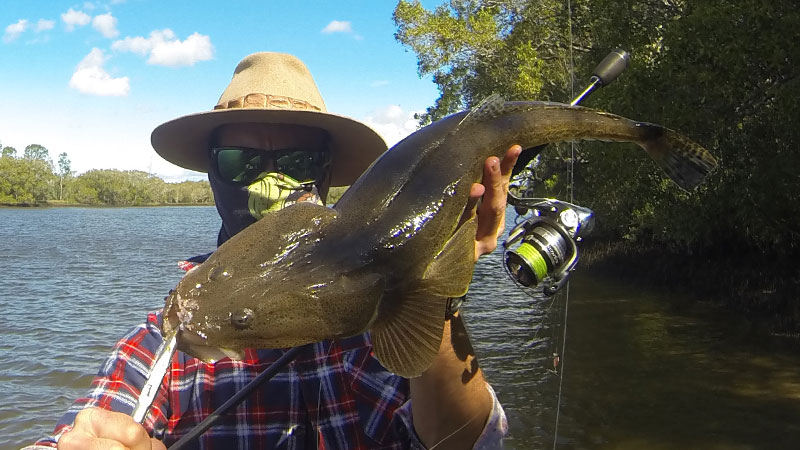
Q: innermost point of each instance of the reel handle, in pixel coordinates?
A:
(606, 72)
(611, 66)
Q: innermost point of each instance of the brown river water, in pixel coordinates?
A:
(641, 370)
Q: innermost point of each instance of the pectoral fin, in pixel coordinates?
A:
(408, 331)
(450, 272)
(407, 334)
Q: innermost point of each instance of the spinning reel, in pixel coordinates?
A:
(542, 249)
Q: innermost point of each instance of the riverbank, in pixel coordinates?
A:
(764, 291)
(59, 204)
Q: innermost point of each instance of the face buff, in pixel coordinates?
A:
(241, 206)
(274, 191)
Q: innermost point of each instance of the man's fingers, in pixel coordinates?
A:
(491, 206)
(475, 194)
(491, 213)
(509, 161)
(99, 428)
(79, 440)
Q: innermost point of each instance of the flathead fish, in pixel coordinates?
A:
(387, 256)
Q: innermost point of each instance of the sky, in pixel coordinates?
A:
(92, 79)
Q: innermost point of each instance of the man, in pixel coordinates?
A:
(269, 143)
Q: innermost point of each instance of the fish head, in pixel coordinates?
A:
(276, 284)
(279, 309)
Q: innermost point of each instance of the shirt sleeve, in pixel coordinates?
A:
(119, 381)
(491, 438)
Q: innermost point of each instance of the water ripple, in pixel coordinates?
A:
(637, 373)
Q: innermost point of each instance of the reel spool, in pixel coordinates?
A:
(542, 249)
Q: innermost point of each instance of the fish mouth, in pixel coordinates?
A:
(173, 317)
(195, 345)
(178, 313)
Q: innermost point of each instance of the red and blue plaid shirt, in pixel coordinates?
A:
(334, 395)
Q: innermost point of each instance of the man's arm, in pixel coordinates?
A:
(451, 401)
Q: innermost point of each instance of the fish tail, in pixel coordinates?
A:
(684, 161)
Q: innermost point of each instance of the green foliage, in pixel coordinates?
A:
(36, 152)
(474, 48)
(195, 192)
(30, 180)
(25, 181)
(724, 72)
(114, 187)
(64, 170)
(64, 165)
(9, 152)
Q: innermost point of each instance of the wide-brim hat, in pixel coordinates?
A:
(273, 88)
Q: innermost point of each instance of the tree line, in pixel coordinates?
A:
(723, 72)
(33, 179)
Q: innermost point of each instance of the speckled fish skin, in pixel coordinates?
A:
(386, 257)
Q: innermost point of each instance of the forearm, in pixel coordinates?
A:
(450, 401)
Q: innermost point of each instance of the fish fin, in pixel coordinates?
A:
(450, 272)
(407, 336)
(408, 331)
(684, 161)
(491, 106)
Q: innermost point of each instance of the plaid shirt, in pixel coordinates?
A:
(335, 395)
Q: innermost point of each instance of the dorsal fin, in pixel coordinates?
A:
(491, 106)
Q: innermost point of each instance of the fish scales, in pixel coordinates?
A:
(386, 257)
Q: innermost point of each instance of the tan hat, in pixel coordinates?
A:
(270, 88)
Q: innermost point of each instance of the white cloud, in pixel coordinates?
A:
(14, 30)
(337, 26)
(44, 25)
(106, 24)
(165, 49)
(379, 83)
(392, 123)
(91, 78)
(74, 18)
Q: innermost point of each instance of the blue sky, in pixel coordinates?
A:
(93, 79)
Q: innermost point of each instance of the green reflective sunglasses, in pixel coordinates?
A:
(242, 165)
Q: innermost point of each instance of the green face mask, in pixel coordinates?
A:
(274, 191)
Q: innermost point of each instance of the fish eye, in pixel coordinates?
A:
(242, 319)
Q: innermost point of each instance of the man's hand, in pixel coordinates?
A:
(450, 401)
(492, 209)
(98, 429)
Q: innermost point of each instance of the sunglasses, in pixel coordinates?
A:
(242, 166)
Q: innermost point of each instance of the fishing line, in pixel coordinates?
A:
(456, 431)
(571, 195)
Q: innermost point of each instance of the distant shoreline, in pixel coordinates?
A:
(57, 204)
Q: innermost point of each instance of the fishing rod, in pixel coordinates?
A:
(237, 398)
(542, 249)
(162, 358)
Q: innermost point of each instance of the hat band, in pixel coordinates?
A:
(267, 101)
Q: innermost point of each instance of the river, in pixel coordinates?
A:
(641, 370)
